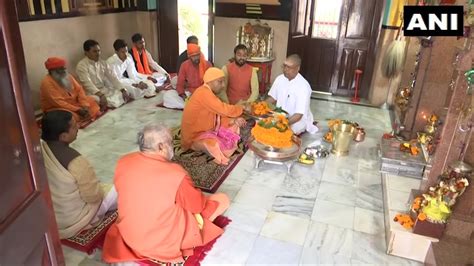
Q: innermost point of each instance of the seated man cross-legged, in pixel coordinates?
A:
(190, 77)
(210, 125)
(144, 62)
(162, 216)
(122, 65)
(98, 79)
(292, 93)
(79, 199)
(60, 91)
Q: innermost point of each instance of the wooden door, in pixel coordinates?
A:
(360, 26)
(168, 43)
(28, 230)
(334, 38)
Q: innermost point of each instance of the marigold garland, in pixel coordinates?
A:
(260, 108)
(273, 131)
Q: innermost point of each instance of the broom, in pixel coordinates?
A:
(393, 61)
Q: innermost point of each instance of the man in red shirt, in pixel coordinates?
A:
(192, 71)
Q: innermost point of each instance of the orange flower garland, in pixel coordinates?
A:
(273, 131)
(260, 108)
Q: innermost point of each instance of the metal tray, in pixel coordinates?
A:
(276, 154)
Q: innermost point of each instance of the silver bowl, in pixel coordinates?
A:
(267, 152)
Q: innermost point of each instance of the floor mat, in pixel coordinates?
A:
(90, 239)
(206, 174)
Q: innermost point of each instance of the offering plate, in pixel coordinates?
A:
(281, 156)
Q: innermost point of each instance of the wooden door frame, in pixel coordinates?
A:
(168, 39)
(371, 49)
(168, 51)
(373, 44)
(40, 199)
(210, 30)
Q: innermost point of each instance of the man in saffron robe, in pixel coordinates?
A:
(98, 79)
(208, 124)
(144, 62)
(240, 78)
(292, 93)
(79, 198)
(162, 216)
(191, 72)
(123, 67)
(60, 91)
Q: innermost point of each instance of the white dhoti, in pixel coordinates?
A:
(114, 97)
(305, 124)
(160, 78)
(109, 203)
(137, 93)
(171, 99)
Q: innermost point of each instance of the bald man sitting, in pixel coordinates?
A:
(162, 216)
(292, 93)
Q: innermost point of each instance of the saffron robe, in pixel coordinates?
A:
(55, 97)
(156, 204)
(200, 115)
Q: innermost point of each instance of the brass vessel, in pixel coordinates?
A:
(343, 136)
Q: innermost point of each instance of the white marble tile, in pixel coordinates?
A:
(268, 251)
(370, 197)
(72, 256)
(233, 247)
(246, 218)
(324, 243)
(368, 178)
(266, 177)
(285, 227)
(254, 196)
(371, 249)
(321, 258)
(367, 221)
(333, 213)
(342, 170)
(229, 189)
(297, 195)
(402, 183)
(337, 193)
(398, 200)
(295, 206)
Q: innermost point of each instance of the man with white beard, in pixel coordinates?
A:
(121, 63)
(60, 91)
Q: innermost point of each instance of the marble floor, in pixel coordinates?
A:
(327, 213)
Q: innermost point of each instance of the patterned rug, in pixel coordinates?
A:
(199, 252)
(206, 174)
(90, 239)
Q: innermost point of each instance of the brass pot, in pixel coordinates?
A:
(359, 134)
(343, 134)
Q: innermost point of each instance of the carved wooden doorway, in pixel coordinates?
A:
(334, 38)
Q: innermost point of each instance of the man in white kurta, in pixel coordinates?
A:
(98, 79)
(123, 67)
(292, 93)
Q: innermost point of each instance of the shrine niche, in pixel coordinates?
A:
(259, 40)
